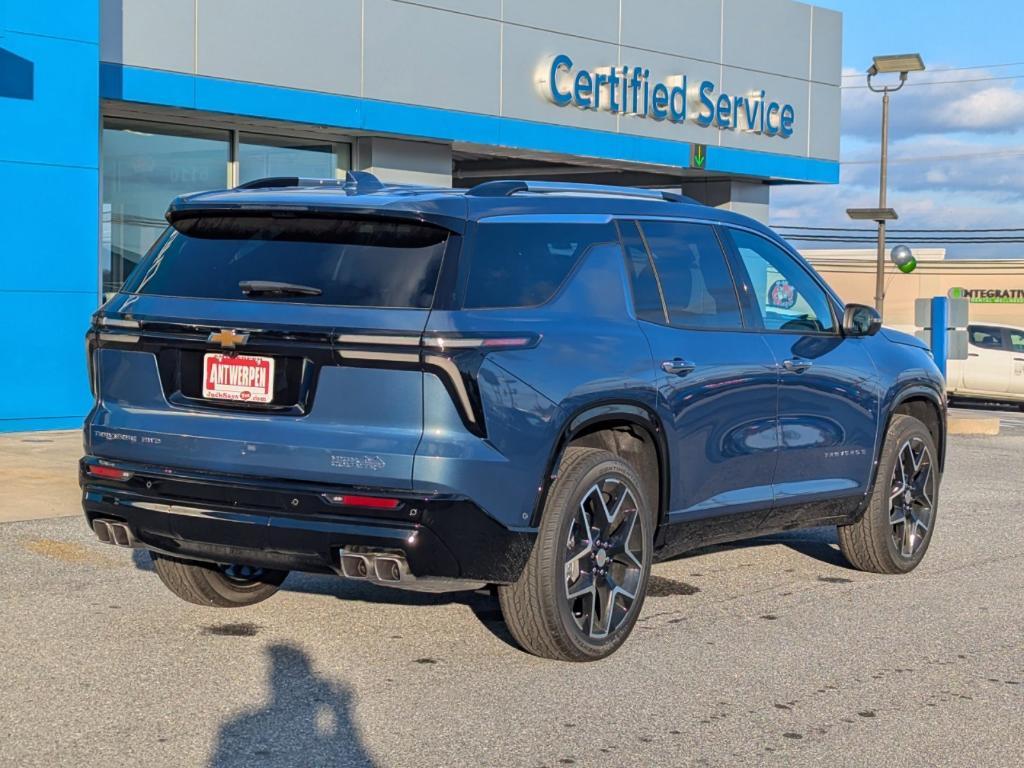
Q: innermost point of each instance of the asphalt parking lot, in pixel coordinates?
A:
(768, 653)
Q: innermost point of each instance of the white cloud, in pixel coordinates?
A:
(949, 106)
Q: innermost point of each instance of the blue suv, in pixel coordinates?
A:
(538, 386)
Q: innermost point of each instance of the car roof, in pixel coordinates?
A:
(361, 193)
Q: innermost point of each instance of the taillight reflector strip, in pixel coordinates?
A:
(371, 502)
(109, 473)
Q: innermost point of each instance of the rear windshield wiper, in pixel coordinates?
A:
(274, 288)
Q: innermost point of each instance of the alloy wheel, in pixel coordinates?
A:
(911, 502)
(604, 557)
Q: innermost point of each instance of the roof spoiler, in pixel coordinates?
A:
(511, 187)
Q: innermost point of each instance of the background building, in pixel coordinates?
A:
(110, 108)
(994, 287)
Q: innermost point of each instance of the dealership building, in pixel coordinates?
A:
(110, 108)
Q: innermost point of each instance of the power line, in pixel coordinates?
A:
(909, 240)
(932, 158)
(895, 229)
(920, 84)
(956, 69)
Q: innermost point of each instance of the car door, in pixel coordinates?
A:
(1016, 339)
(828, 385)
(989, 364)
(717, 382)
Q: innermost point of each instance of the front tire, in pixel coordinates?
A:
(894, 533)
(582, 589)
(218, 586)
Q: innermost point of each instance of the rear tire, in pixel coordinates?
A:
(217, 586)
(583, 587)
(894, 533)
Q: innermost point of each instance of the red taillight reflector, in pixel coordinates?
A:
(108, 473)
(374, 502)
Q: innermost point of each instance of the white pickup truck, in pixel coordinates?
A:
(994, 368)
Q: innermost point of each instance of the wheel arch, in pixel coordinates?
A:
(618, 427)
(926, 405)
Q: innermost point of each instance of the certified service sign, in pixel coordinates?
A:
(637, 92)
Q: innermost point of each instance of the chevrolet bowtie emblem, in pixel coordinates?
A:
(228, 339)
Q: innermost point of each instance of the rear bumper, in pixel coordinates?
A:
(292, 526)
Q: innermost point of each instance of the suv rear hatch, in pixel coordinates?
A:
(226, 349)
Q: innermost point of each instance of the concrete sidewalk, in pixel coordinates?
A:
(39, 475)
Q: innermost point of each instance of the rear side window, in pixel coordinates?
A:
(646, 293)
(522, 264)
(985, 337)
(338, 261)
(698, 287)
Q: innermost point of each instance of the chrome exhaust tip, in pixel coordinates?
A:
(113, 532)
(355, 566)
(388, 568)
(102, 531)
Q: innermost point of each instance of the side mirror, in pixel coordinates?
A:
(861, 320)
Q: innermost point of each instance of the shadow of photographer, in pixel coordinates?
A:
(306, 721)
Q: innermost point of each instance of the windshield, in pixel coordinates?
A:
(357, 262)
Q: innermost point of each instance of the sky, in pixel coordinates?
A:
(956, 149)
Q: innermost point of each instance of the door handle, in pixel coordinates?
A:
(972, 354)
(797, 365)
(677, 366)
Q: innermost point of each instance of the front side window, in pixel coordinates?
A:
(986, 337)
(695, 279)
(355, 262)
(522, 264)
(788, 298)
(1016, 340)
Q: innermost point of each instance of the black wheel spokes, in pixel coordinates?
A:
(911, 500)
(604, 558)
(243, 574)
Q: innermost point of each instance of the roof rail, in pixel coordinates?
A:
(363, 180)
(507, 188)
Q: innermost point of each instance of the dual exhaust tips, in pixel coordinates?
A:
(381, 567)
(114, 532)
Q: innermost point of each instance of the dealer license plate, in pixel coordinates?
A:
(243, 378)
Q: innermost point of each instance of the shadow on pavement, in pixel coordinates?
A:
(821, 544)
(307, 721)
(482, 602)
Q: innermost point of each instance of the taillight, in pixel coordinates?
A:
(371, 502)
(108, 473)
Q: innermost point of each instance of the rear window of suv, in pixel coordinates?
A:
(339, 261)
(522, 264)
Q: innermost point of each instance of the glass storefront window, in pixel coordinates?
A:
(145, 166)
(262, 156)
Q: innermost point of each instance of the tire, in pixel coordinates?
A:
(878, 542)
(217, 586)
(538, 609)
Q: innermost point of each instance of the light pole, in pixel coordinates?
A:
(902, 63)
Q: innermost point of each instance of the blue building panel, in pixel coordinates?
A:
(49, 229)
(49, 207)
(49, 107)
(77, 20)
(46, 377)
